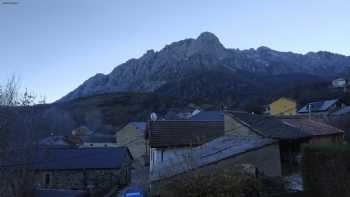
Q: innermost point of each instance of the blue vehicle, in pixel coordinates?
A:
(135, 192)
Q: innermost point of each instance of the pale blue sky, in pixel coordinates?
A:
(54, 45)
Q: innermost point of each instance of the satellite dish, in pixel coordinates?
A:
(154, 116)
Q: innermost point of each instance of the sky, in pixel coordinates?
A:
(53, 46)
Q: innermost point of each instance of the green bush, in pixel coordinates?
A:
(218, 183)
(326, 170)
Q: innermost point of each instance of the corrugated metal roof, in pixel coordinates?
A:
(166, 133)
(319, 106)
(216, 150)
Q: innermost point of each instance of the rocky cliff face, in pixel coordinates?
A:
(184, 60)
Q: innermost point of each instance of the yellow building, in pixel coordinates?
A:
(282, 106)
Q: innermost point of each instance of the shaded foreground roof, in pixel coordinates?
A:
(222, 148)
(81, 158)
(269, 126)
(319, 106)
(209, 115)
(167, 133)
(312, 127)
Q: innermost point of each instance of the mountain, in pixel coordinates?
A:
(203, 67)
(104, 113)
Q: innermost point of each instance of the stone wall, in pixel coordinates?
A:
(81, 179)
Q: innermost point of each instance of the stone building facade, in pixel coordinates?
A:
(87, 169)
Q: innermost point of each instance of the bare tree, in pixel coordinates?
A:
(16, 145)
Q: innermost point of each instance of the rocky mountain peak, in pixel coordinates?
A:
(207, 44)
(208, 37)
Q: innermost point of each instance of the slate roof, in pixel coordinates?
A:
(222, 148)
(312, 127)
(60, 193)
(209, 115)
(81, 158)
(170, 133)
(269, 126)
(319, 106)
(98, 138)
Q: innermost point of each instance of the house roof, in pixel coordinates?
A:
(209, 115)
(319, 106)
(98, 138)
(59, 193)
(177, 115)
(216, 150)
(139, 125)
(343, 111)
(312, 127)
(167, 133)
(55, 141)
(269, 126)
(80, 158)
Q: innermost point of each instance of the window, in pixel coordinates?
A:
(47, 179)
(162, 155)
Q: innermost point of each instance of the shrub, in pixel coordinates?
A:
(326, 169)
(221, 183)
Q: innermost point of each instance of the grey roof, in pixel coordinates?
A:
(269, 126)
(216, 150)
(312, 127)
(319, 106)
(55, 141)
(167, 133)
(98, 138)
(60, 193)
(176, 115)
(80, 158)
(139, 125)
(209, 115)
(343, 111)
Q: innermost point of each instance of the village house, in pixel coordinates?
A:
(322, 107)
(133, 136)
(282, 106)
(84, 169)
(180, 146)
(291, 132)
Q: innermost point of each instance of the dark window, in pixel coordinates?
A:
(47, 179)
(162, 155)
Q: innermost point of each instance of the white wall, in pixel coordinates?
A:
(169, 158)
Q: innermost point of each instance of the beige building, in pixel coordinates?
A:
(133, 136)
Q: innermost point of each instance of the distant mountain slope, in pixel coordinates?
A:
(103, 113)
(184, 60)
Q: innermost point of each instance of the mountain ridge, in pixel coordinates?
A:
(179, 60)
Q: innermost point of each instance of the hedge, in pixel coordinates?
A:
(326, 170)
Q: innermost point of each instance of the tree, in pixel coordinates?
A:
(15, 147)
